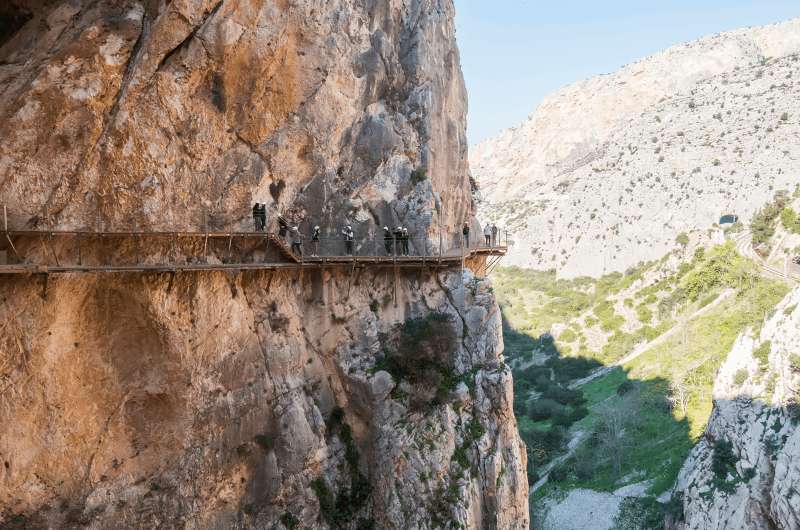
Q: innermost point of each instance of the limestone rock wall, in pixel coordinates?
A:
(261, 399)
(177, 114)
(756, 412)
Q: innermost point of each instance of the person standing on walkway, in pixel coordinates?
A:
(487, 234)
(405, 241)
(465, 233)
(388, 240)
(262, 216)
(494, 235)
(349, 239)
(315, 240)
(257, 216)
(398, 240)
(297, 239)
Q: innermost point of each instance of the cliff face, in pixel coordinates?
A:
(264, 398)
(745, 473)
(608, 171)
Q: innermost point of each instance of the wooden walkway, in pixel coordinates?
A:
(49, 252)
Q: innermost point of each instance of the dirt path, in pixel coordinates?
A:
(574, 442)
(640, 349)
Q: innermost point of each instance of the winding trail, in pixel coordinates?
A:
(645, 346)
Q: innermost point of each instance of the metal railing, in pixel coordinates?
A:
(65, 250)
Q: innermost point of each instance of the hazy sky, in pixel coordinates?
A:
(514, 52)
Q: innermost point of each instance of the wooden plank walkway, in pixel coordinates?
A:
(449, 258)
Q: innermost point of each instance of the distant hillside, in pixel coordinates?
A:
(608, 171)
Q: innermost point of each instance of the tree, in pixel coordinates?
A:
(790, 220)
(682, 239)
(611, 429)
(679, 394)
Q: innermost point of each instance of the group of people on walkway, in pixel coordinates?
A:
(490, 232)
(395, 241)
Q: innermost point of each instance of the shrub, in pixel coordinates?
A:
(543, 409)
(762, 225)
(740, 376)
(564, 396)
(559, 473)
(420, 351)
(568, 335)
(722, 266)
(289, 521)
(790, 220)
(761, 354)
(723, 463)
(644, 314)
(545, 445)
(625, 387)
(418, 175)
(794, 363)
(609, 320)
(265, 442)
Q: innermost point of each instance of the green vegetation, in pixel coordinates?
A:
(342, 508)
(723, 266)
(790, 220)
(639, 420)
(420, 351)
(265, 442)
(761, 354)
(762, 225)
(647, 513)
(289, 521)
(723, 465)
(682, 239)
(418, 175)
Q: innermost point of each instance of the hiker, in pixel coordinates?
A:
(349, 238)
(487, 234)
(465, 232)
(494, 235)
(405, 241)
(315, 240)
(257, 216)
(283, 226)
(296, 242)
(398, 240)
(388, 240)
(262, 216)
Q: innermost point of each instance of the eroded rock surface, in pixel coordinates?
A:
(259, 399)
(744, 472)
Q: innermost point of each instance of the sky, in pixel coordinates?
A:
(515, 52)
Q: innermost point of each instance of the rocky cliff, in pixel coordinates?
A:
(744, 472)
(608, 171)
(301, 399)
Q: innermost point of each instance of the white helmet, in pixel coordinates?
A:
(386, 228)
(316, 227)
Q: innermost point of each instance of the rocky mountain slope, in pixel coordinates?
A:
(744, 472)
(608, 171)
(264, 399)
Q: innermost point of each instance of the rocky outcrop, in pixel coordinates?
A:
(744, 473)
(608, 171)
(264, 398)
